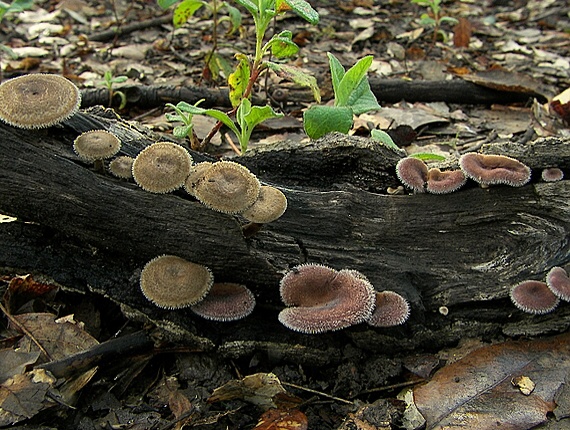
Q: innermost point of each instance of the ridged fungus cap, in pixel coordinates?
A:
(533, 297)
(413, 173)
(96, 145)
(162, 167)
(323, 299)
(227, 187)
(38, 100)
(270, 205)
(226, 302)
(172, 282)
(558, 281)
(122, 167)
(195, 176)
(445, 182)
(494, 169)
(391, 310)
(552, 174)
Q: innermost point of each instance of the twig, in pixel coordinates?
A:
(309, 390)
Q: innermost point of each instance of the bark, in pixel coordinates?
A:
(92, 232)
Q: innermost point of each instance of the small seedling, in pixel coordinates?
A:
(352, 96)
(435, 19)
(182, 114)
(108, 81)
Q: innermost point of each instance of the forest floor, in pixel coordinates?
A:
(517, 46)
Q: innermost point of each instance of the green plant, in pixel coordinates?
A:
(352, 96)
(435, 19)
(182, 114)
(15, 7)
(249, 68)
(108, 81)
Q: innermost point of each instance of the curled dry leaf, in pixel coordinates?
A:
(476, 391)
(282, 419)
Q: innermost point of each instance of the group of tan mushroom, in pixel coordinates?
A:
(541, 297)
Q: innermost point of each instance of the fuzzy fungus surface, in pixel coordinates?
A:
(444, 182)
(391, 309)
(413, 173)
(38, 100)
(558, 281)
(321, 299)
(226, 302)
(494, 169)
(162, 167)
(533, 297)
(122, 167)
(269, 206)
(172, 282)
(96, 145)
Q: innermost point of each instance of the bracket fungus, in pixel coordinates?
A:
(122, 167)
(321, 299)
(533, 297)
(226, 302)
(494, 169)
(195, 176)
(227, 187)
(558, 281)
(269, 206)
(172, 282)
(413, 173)
(162, 167)
(96, 146)
(38, 100)
(444, 182)
(391, 309)
(552, 174)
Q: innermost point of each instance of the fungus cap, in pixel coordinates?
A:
(269, 206)
(122, 167)
(226, 302)
(445, 182)
(552, 174)
(323, 299)
(38, 100)
(195, 176)
(533, 297)
(494, 169)
(162, 167)
(558, 281)
(227, 187)
(413, 173)
(96, 145)
(391, 310)
(172, 282)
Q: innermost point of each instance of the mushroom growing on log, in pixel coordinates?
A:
(461, 250)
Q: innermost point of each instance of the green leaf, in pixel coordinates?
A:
(297, 75)
(448, 19)
(426, 20)
(304, 10)
(385, 139)
(351, 80)
(248, 117)
(337, 72)
(282, 46)
(426, 3)
(172, 117)
(20, 5)
(182, 131)
(238, 80)
(427, 156)
(184, 11)
(249, 5)
(320, 120)
(214, 113)
(123, 98)
(119, 79)
(165, 4)
(235, 17)
(8, 51)
(363, 99)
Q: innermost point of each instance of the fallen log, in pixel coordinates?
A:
(93, 233)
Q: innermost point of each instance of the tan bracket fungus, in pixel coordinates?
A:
(227, 187)
(494, 169)
(444, 182)
(38, 100)
(122, 167)
(96, 146)
(322, 299)
(162, 167)
(195, 176)
(552, 174)
(172, 282)
(226, 302)
(269, 206)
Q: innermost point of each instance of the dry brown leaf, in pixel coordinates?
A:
(259, 389)
(15, 362)
(477, 392)
(283, 419)
(462, 33)
(59, 339)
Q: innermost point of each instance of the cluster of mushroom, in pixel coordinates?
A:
(321, 299)
(483, 169)
(172, 282)
(224, 186)
(538, 297)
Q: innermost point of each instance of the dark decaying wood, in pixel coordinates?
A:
(92, 232)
